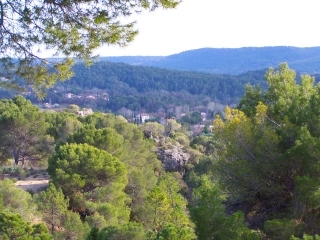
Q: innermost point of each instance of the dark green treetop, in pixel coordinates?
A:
(12, 226)
(23, 132)
(94, 180)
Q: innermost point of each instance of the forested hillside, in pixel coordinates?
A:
(232, 60)
(104, 75)
(149, 88)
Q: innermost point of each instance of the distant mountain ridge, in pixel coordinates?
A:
(231, 60)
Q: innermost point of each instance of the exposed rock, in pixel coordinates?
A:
(173, 157)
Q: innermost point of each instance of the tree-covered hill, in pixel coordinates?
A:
(133, 60)
(232, 60)
(151, 88)
(140, 79)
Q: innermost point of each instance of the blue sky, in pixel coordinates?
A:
(223, 24)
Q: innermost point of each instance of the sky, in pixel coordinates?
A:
(223, 24)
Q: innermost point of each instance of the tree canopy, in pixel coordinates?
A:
(68, 29)
(266, 156)
(23, 132)
(94, 181)
(12, 226)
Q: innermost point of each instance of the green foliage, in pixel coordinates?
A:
(250, 100)
(267, 161)
(96, 221)
(167, 206)
(152, 129)
(28, 28)
(171, 127)
(72, 227)
(12, 226)
(72, 108)
(203, 167)
(105, 139)
(11, 169)
(194, 155)
(193, 118)
(17, 201)
(107, 75)
(132, 231)
(94, 233)
(1, 202)
(204, 144)
(127, 142)
(67, 127)
(172, 232)
(23, 132)
(306, 237)
(61, 124)
(182, 139)
(159, 208)
(206, 129)
(53, 206)
(137, 87)
(93, 179)
(208, 214)
(101, 120)
(280, 228)
(142, 164)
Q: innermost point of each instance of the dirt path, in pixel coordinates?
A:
(35, 183)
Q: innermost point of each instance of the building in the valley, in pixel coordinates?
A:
(142, 117)
(69, 95)
(85, 112)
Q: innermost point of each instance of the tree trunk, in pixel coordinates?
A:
(16, 154)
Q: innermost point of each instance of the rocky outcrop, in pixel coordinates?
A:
(173, 157)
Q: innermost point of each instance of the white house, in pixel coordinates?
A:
(47, 105)
(85, 112)
(69, 95)
(142, 117)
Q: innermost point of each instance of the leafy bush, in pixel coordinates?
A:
(11, 169)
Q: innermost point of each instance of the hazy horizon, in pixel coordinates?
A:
(222, 24)
(204, 48)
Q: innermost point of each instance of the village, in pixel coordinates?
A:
(162, 116)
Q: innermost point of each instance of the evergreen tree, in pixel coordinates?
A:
(132, 231)
(267, 162)
(208, 213)
(12, 226)
(23, 132)
(17, 201)
(94, 181)
(53, 206)
(167, 209)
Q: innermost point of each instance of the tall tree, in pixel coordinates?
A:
(23, 132)
(268, 161)
(53, 206)
(94, 181)
(128, 143)
(167, 209)
(208, 213)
